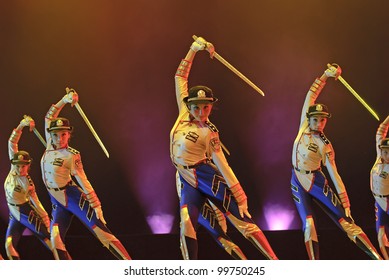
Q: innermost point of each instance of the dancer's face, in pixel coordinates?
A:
(200, 111)
(317, 123)
(60, 138)
(22, 169)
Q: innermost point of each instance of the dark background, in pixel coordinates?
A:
(121, 57)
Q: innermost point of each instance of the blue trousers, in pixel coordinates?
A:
(30, 219)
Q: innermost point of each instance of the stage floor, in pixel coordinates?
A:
(288, 245)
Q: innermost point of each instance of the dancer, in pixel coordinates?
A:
(196, 153)
(311, 150)
(25, 208)
(379, 184)
(70, 191)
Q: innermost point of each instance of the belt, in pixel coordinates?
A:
(13, 204)
(57, 189)
(69, 184)
(305, 171)
(381, 195)
(205, 161)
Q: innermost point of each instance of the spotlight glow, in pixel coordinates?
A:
(277, 217)
(160, 223)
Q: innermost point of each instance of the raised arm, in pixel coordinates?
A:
(14, 138)
(71, 97)
(182, 73)
(381, 134)
(316, 88)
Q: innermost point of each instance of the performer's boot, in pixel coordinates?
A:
(188, 236)
(232, 249)
(118, 250)
(260, 242)
(189, 248)
(59, 249)
(383, 242)
(12, 254)
(385, 252)
(111, 243)
(61, 254)
(252, 232)
(310, 239)
(312, 249)
(364, 243)
(356, 234)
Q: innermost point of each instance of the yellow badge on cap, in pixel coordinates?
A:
(319, 107)
(59, 123)
(201, 94)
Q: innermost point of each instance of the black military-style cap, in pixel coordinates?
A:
(200, 94)
(318, 110)
(59, 124)
(21, 157)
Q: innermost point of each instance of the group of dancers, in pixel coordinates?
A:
(208, 191)
(70, 191)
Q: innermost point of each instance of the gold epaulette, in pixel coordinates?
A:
(324, 139)
(211, 126)
(30, 182)
(73, 151)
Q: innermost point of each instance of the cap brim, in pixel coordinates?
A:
(328, 115)
(20, 162)
(200, 100)
(60, 128)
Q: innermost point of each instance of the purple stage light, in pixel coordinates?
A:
(278, 217)
(160, 223)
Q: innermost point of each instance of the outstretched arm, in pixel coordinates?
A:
(337, 180)
(39, 207)
(77, 171)
(220, 161)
